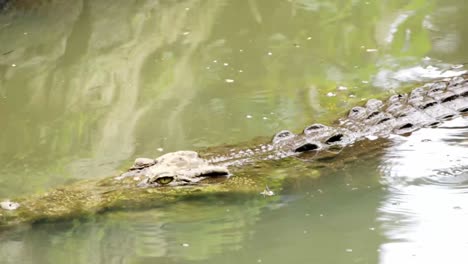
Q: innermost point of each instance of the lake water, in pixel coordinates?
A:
(88, 86)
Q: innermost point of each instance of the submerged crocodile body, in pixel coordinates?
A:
(425, 106)
(364, 128)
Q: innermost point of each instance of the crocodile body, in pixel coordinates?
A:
(151, 182)
(426, 106)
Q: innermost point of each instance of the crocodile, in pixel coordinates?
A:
(426, 106)
(184, 174)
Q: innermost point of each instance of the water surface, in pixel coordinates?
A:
(87, 86)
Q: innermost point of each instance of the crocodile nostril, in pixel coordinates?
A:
(334, 139)
(307, 147)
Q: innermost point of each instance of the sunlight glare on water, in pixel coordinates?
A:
(424, 214)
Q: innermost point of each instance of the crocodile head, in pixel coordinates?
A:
(174, 169)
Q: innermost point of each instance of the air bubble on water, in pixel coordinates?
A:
(330, 94)
(248, 116)
(269, 53)
(229, 80)
(160, 149)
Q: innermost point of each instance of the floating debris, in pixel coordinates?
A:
(342, 88)
(9, 205)
(267, 192)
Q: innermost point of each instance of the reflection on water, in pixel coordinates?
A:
(424, 214)
(86, 86)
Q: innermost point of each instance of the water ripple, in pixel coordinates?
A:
(426, 176)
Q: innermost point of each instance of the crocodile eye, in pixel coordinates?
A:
(163, 180)
(282, 135)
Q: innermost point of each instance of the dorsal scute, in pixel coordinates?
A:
(397, 98)
(315, 128)
(357, 112)
(374, 104)
(143, 163)
(282, 135)
(459, 80)
(437, 87)
(417, 94)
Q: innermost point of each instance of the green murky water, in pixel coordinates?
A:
(87, 86)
